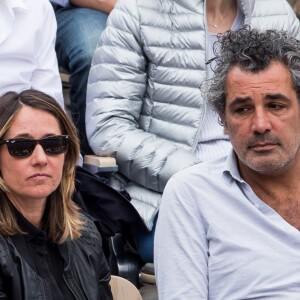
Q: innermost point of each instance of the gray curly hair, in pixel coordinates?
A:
(252, 51)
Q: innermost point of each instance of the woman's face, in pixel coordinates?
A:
(33, 178)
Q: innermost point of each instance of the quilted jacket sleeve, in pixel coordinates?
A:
(116, 88)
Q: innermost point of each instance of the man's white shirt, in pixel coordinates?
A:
(27, 48)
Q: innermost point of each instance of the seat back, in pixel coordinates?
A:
(123, 289)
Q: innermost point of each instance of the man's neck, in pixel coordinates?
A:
(281, 192)
(287, 178)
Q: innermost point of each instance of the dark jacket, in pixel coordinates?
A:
(85, 272)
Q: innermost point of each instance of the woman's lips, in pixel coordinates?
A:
(39, 176)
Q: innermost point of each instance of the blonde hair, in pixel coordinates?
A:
(64, 220)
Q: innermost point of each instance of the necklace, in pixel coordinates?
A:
(228, 9)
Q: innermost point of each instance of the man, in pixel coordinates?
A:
(79, 26)
(229, 228)
(27, 53)
(144, 106)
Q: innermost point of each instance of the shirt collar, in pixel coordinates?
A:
(231, 170)
(11, 4)
(31, 232)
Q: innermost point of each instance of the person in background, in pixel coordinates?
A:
(144, 106)
(27, 53)
(48, 248)
(79, 25)
(233, 223)
(296, 6)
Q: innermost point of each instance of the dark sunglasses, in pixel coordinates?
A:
(52, 145)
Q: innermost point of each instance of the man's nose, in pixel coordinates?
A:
(261, 121)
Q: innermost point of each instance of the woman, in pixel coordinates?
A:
(48, 249)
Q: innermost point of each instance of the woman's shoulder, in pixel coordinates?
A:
(90, 235)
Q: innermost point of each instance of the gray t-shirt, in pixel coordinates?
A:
(213, 143)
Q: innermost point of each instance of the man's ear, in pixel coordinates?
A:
(223, 122)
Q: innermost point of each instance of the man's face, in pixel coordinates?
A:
(262, 119)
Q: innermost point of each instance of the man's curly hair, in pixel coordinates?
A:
(252, 51)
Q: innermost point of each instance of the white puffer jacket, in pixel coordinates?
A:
(144, 105)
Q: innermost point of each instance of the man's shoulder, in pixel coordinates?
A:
(199, 187)
(206, 169)
(209, 171)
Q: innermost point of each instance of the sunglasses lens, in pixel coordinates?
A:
(21, 148)
(54, 145)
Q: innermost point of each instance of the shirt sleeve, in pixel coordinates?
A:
(46, 76)
(180, 247)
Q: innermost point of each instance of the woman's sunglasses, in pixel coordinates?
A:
(52, 145)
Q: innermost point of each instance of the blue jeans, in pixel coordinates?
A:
(144, 242)
(78, 31)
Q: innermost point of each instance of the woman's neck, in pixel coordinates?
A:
(33, 210)
(220, 15)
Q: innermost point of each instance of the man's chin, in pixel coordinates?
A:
(268, 167)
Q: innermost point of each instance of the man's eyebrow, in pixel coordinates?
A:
(240, 101)
(245, 100)
(276, 96)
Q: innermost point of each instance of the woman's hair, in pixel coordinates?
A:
(253, 51)
(63, 220)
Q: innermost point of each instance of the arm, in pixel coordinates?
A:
(115, 95)
(95, 259)
(102, 5)
(180, 246)
(46, 76)
(294, 26)
(3, 294)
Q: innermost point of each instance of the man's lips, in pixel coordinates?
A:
(263, 146)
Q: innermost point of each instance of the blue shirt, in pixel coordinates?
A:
(63, 3)
(215, 239)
